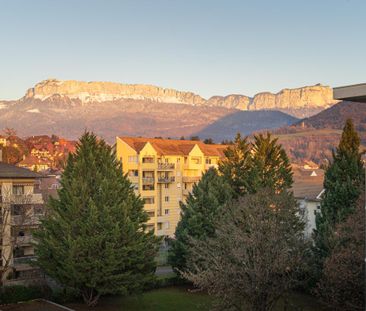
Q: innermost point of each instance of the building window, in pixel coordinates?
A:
(18, 189)
(160, 225)
(151, 214)
(166, 212)
(178, 185)
(148, 160)
(149, 200)
(166, 199)
(38, 209)
(196, 160)
(148, 187)
(133, 173)
(166, 186)
(208, 161)
(167, 225)
(16, 209)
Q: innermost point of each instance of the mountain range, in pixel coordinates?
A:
(69, 107)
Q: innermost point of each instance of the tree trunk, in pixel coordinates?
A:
(90, 297)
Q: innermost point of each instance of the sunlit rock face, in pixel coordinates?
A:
(317, 96)
(300, 102)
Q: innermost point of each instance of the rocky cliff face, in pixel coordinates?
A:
(307, 100)
(109, 91)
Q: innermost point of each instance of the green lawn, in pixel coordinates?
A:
(179, 298)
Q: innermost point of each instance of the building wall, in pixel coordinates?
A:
(171, 185)
(310, 209)
(27, 216)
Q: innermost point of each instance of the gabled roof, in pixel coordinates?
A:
(12, 171)
(308, 183)
(173, 146)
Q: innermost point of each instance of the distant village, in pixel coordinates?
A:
(40, 153)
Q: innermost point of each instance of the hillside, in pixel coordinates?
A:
(315, 137)
(70, 117)
(337, 115)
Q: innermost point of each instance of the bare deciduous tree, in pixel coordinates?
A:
(342, 285)
(256, 254)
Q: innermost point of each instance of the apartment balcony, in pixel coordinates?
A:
(26, 220)
(33, 198)
(24, 240)
(148, 180)
(166, 166)
(166, 180)
(26, 260)
(191, 179)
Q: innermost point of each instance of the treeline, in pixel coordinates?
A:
(240, 237)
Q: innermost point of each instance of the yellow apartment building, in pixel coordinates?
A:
(163, 172)
(20, 212)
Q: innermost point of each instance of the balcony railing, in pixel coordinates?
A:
(166, 166)
(191, 178)
(22, 240)
(165, 180)
(148, 180)
(32, 198)
(26, 220)
(24, 260)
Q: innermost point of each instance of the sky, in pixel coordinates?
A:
(205, 46)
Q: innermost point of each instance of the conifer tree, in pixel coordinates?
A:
(198, 215)
(343, 182)
(94, 238)
(260, 164)
(270, 165)
(235, 167)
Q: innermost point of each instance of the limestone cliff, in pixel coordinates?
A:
(306, 98)
(317, 96)
(109, 91)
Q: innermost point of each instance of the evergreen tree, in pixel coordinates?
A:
(260, 164)
(343, 183)
(198, 215)
(94, 238)
(270, 165)
(235, 167)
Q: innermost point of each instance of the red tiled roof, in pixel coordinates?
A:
(173, 146)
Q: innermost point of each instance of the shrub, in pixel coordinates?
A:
(17, 293)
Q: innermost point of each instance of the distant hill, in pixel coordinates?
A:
(245, 122)
(335, 116)
(70, 117)
(314, 138)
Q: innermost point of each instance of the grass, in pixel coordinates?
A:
(179, 299)
(166, 299)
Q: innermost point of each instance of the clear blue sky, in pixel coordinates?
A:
(208, 47)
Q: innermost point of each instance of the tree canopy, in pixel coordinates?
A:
(94, 238)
